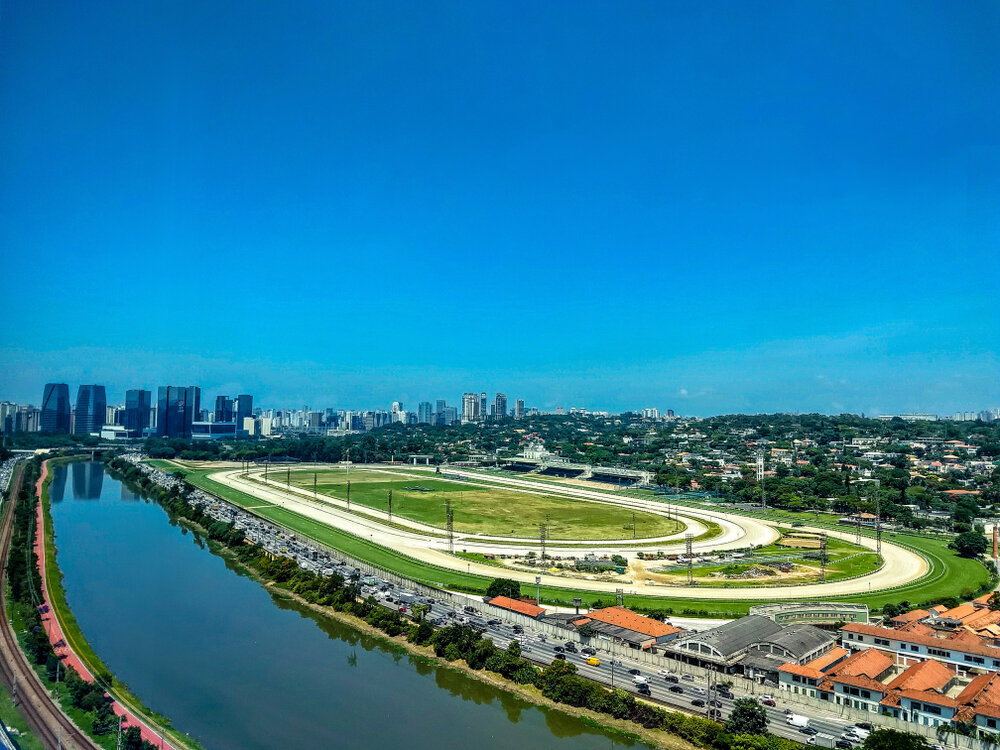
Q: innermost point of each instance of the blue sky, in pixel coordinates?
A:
(709, 207)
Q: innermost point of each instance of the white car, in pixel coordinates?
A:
(765, 697)
(664, 672)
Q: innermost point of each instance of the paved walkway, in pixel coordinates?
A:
(56, 636)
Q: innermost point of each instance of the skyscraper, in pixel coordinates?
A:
(223, 409)
(470, 406)
(483, 410)
(91, 408)
(244, 409)
(137, 405)
(55, 408)
(519, 409)
(500, 407)
(424, 413)
(176, 408)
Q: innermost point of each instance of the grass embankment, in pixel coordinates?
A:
(74, 635)
(12, 718)
(949, 575)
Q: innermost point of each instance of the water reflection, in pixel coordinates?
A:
(57, 489)
(88, 479)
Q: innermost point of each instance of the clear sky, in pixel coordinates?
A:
(710, 207)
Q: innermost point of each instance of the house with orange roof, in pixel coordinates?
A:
(962, 650)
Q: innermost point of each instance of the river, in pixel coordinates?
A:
(238, 668)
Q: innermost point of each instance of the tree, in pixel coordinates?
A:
(893, 739)
(747, 717)
(504, 587)
(970, 544)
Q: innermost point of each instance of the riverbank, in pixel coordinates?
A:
(76, 651)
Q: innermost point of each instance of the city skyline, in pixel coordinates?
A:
(615, 215)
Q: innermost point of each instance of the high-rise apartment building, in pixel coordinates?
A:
(519, 409)
(500, 407)
(244, 409)
(137, 406)
(483, 409)
(425, 413)
(91, 409)
(470, 407)
(176, 408)
(55, 408)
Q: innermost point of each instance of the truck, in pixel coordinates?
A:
(797, 720)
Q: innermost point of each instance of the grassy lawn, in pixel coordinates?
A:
(11, 717)
(479, 509)
(949, 575)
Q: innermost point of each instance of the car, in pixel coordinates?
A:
(698, 690)
(688, 677)
(559, 649)
(516, 628)
(845, 744)
(571, 649)
(675, 689)
(594, 661)
(671, 678)
(588, 651)
(663, 672)
(766, 697)
(561, 657)
(567, 644)
(617, 662)
(808, 730)
(716, 703)
(643, 688)
(788, 712)
(768, 702)
(492, 623)
(866, 725)
(715, 714)
(698, 702)
(632, 671)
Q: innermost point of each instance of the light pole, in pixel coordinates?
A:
(538, 584)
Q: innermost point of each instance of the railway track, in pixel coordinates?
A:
(46, 719)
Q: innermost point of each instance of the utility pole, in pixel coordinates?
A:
(878, 526)
(314, 485)
(390, 507)
(541, 538)
(288, 476)
(449, 519)
(633, 524)
(822, 556)
(538, 589)
(689, 553)
(118, 745)
(348, 494)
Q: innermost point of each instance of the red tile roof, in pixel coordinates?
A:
(924, 675)
(524, 608)
(961, 643)
(911, 616)
(626, 618)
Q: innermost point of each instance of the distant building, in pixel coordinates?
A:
(176, 408)
(55, 408)
(482, 410)
(424, 413)
(528, 609)
(470, 407)
(91, 408)
(244, 409)
(620, 625)
(500, 406)
(223, 409)
(519, 409)
(137, 408)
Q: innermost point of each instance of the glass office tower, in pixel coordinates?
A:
(91, 409)
(137, 406)
(55, 408)
(176, 408)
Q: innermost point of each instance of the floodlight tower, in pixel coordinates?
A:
(822, 556)
(878, 526)
(449, 518)
(760, 479)
(541, 538)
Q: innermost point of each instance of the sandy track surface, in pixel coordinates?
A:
(901, 566)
